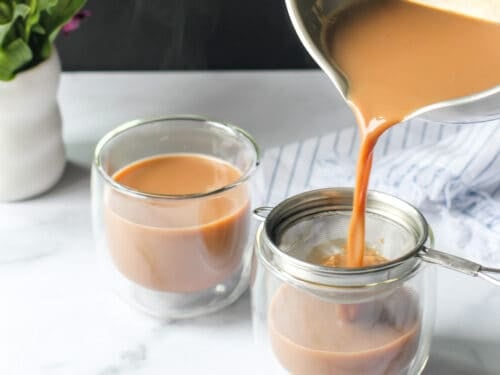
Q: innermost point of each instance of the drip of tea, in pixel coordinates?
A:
(397, 57)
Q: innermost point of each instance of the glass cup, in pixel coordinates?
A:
(174, 256)
(313, 319)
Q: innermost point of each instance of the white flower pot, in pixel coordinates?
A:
(32, 155)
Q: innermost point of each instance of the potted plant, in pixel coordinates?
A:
(31, 148)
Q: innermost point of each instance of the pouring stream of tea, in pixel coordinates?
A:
(399, 56)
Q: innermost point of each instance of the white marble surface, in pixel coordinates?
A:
(57, 317)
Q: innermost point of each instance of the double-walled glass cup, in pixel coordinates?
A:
(312, 319)
(174, 256)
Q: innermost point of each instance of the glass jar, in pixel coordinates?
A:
(174, 256)
(313, 319)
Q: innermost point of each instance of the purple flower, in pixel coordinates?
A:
(75, 22)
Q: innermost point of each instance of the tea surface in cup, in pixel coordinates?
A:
(177, 245)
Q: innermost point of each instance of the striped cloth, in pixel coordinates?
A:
(450, 172)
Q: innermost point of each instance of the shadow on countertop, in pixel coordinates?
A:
(463, 356)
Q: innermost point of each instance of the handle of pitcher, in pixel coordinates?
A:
(460, 265)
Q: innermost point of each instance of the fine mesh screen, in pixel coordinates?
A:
(318, 236)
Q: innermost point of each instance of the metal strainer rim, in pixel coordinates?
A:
(312, 200)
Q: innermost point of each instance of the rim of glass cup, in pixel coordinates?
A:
(231, 129)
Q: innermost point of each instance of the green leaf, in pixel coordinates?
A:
(28, 29)
(38, 29)
(13, 58)
(33, 17)
(45, 4)
(60, 13)
(10, 27)
(6, 12)
(22, 10)
(46, 49)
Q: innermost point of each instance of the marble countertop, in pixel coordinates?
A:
(58, 317)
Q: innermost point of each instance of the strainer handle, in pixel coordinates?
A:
(261, 213)
(459, 264)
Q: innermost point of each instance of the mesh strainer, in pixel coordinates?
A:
(313, 225)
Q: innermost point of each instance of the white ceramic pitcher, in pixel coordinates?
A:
(32, 155)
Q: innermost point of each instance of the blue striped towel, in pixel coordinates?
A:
(450, 172)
